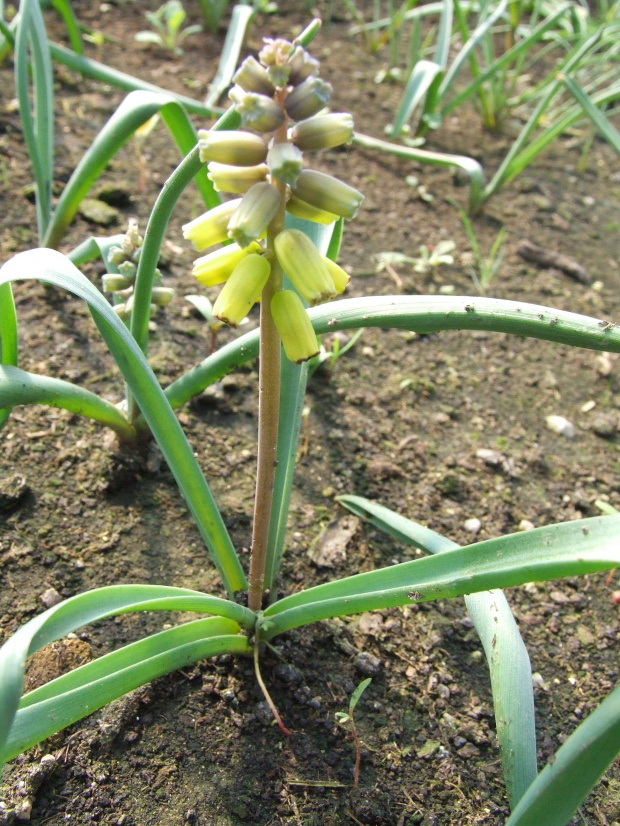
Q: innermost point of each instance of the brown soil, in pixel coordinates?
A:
(400, 420)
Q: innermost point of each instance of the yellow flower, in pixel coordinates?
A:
(211, 227)
(328, 193)
(257, 209)
(305, 266)
(294, 326)
(217, 266)
(231, 146)
(242, 290)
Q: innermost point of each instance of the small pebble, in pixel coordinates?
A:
(367, 664)
(472, 525)
(526, 525)
(50, 598)
(561, 426)
(604, 425)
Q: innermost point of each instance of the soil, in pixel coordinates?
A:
(401, 419)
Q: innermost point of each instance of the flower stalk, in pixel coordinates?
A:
(281, 101)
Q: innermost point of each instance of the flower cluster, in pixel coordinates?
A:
(282, 103)
(124, 260)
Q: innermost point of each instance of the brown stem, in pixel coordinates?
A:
(268, 414)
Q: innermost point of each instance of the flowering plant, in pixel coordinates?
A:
(263, 164)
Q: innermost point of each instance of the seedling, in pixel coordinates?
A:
(346, 721)
(167, 22)
(486, 266)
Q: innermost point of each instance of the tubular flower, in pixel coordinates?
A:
(328, 193)
(236, 179)
(323, 131)
(253, 77)
(285, 162)
(217, 266)
(305, 266)
(281, 101)
(301, 209)
(308, 98)
(255, 212)
(212, 227)
(242, 290)
(298, 337)
(226, 146)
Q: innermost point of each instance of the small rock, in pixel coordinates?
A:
(13, 492)
(50, 598)
(604, 425)
(490, 457)
(561, 426)
(367, 664)
(330, 549)
(429, 748)
(98, 212)
(526, 525)
(468, 751)
(472, 525)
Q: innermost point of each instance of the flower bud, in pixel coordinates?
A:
(339, 276)
(128, 270)
(294, 326)
(301, 64)
(231, 146)
(242, 290)
(217, 266)
(116, 256)
(301, 209)
(112, 283)
(257, 112)
(308, 98)
(252, 77)
(328, 193)
(285, 162)
(304, 265)
(253, 215)
(323, 131)
(237, 179)
(162, 296)
(211, 227)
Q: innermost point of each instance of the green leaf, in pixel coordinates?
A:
(135, 110)
(596, 115)
(423, 314)
(293, 384)
(33, 64)
(106, 74)
(52, 267)
(507, 657)
(19, 387)
(229, 57)
(55, 705)
(564, 783)
(566, 549)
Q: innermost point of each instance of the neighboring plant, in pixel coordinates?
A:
(346, 720)
(430, 258)
(279, 101)
(486, 266)
(326, 360)
(167, 22)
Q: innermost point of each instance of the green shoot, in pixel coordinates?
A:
(486, 266)
(167, 22)
(346, 720)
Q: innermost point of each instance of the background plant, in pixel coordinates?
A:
(552, 551)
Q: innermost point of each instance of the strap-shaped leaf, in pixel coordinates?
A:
(565, 549)
(52, 267)
(135, 110)
(564, 783)
(19, 387)
(507, 657)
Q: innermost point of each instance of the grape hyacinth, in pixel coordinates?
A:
(281, 101)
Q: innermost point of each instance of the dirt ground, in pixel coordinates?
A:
(402, 419)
